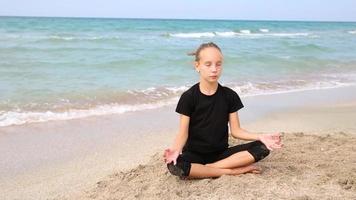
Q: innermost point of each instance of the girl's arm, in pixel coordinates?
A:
(237, 131)
(182, 135)
(272, 141)
(171, 154)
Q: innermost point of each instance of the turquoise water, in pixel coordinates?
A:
(64, 68)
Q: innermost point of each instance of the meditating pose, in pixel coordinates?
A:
(201, 149)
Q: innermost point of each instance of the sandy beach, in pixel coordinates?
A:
(311, 166)
(111, 157)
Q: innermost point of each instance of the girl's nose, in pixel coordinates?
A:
(214, 68)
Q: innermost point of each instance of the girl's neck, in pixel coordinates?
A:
(208, 88)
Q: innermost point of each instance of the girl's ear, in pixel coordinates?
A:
(196, 66)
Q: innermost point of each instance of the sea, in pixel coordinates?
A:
(69, 68)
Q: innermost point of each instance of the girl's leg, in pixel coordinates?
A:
(241, 155)
(235, 160)
(239, 159)
(204, 171)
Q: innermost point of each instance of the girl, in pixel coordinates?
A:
(200, 149)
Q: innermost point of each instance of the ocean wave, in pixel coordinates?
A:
(253, 89)
(237, 33)
(240, 33)
(17, 117)
(310, 47)
(131, 100)
(245, 31)
(263, 30)
(64, 37)
(159, 97)
(192, 35)
(225, 34)
(288, 34)
(352, 32)
(71, 38)
(155, 93)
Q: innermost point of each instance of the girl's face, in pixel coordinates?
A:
(210, 64)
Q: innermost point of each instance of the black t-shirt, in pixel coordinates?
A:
(209, 117)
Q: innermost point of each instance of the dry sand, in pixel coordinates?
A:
(311, 166)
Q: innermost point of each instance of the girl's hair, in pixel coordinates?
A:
(201, 47)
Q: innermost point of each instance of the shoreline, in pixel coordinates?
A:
(13, 118)
(62, 159)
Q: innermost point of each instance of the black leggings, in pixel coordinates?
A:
(184, 161)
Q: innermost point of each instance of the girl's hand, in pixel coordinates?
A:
(170, 156)
(272, 141)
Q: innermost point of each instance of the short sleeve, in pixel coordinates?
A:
(235, 102)
(185, 104)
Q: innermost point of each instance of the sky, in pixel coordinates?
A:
(305, 10)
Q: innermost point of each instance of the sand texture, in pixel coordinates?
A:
(310, 166)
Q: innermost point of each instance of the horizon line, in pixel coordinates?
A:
(212, 19)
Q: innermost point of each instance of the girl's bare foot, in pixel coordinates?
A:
(246, 169)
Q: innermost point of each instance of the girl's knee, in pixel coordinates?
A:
(264, 150)
(180, 169)
(259, 151)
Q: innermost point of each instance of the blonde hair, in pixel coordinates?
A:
(196, 53)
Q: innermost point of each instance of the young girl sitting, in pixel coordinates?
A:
(201, 149)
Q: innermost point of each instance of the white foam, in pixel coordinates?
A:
(57, 37)
(61, 38)
(226, 34)
(352, 32)
(67, 38)
(245, 31)
(18, 117)
(263, 30)
(193, 35)
(288, 34)
(163, 91)
(178, 89)
(250, 89)
(242, 33)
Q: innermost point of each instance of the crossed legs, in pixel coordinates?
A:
(235, 164)
(233, 161)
